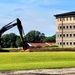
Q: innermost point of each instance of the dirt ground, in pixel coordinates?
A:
(64, 71)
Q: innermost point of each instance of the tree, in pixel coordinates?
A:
(18, 42)
(12, 37)
(34, 36)
(4, 40)
(9, 40)
(54, 38)
(50, 39)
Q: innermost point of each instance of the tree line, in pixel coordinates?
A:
(13, 40)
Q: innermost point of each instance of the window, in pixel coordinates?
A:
(63, 27)
(63, 35)
(60, 19)
(74, 35)
(70, 18)
(70, 35)
(60, 35)
(67, 43)
(73, 26)
(67, 35)
(60, 43)
(67, 27)
(70, 27)
(70, 43)
(74, 43)
(60, 27)
(67, 18)
(63, 43)
(74, 18)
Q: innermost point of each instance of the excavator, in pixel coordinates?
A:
(20, 28)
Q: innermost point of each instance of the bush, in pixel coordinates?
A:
(54, 46)
(46, 47)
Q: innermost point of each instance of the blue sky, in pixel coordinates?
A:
(34, 14)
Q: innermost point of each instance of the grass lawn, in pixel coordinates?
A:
(36, 60)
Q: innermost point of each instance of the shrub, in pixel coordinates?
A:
(46, 47)
(54, 46)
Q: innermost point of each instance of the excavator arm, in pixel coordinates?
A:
(20, 28)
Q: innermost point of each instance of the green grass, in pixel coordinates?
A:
(36, 60)
(53, 46)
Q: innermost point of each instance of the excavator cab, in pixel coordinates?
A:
(20, 28)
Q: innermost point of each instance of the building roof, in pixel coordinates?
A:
(42, 44)
(36, 44)
(65, 14)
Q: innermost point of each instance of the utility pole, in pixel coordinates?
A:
(62, 31)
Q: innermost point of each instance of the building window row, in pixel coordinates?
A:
(66, 43)
(66, 27)
(66, 18)
(66, 35)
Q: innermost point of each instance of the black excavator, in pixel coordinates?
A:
(20, 28)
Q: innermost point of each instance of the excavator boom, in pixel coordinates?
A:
(20, 28)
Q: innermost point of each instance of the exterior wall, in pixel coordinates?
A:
(68, 31)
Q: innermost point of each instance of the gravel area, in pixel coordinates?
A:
(64, 71)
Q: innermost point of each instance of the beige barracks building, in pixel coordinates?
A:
(65, 29)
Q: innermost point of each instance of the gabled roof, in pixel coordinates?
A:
(65, 14)
(42, 44)
(36, 44)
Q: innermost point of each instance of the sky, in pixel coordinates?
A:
(34, 14)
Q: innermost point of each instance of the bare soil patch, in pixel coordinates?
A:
(40, 50)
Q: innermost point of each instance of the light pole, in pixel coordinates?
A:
(62, 31)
